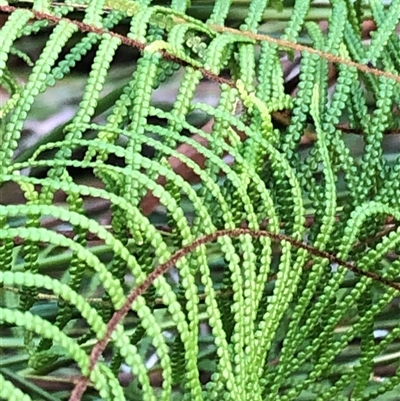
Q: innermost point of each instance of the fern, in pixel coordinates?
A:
(254, 245)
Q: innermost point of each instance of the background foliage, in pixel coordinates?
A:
(191, 211)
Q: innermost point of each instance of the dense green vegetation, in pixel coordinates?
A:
(200, 201)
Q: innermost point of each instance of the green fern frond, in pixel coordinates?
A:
(195, 205)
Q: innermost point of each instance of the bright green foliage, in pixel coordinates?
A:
(266, 319)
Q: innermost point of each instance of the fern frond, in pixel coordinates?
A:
(248, 238)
